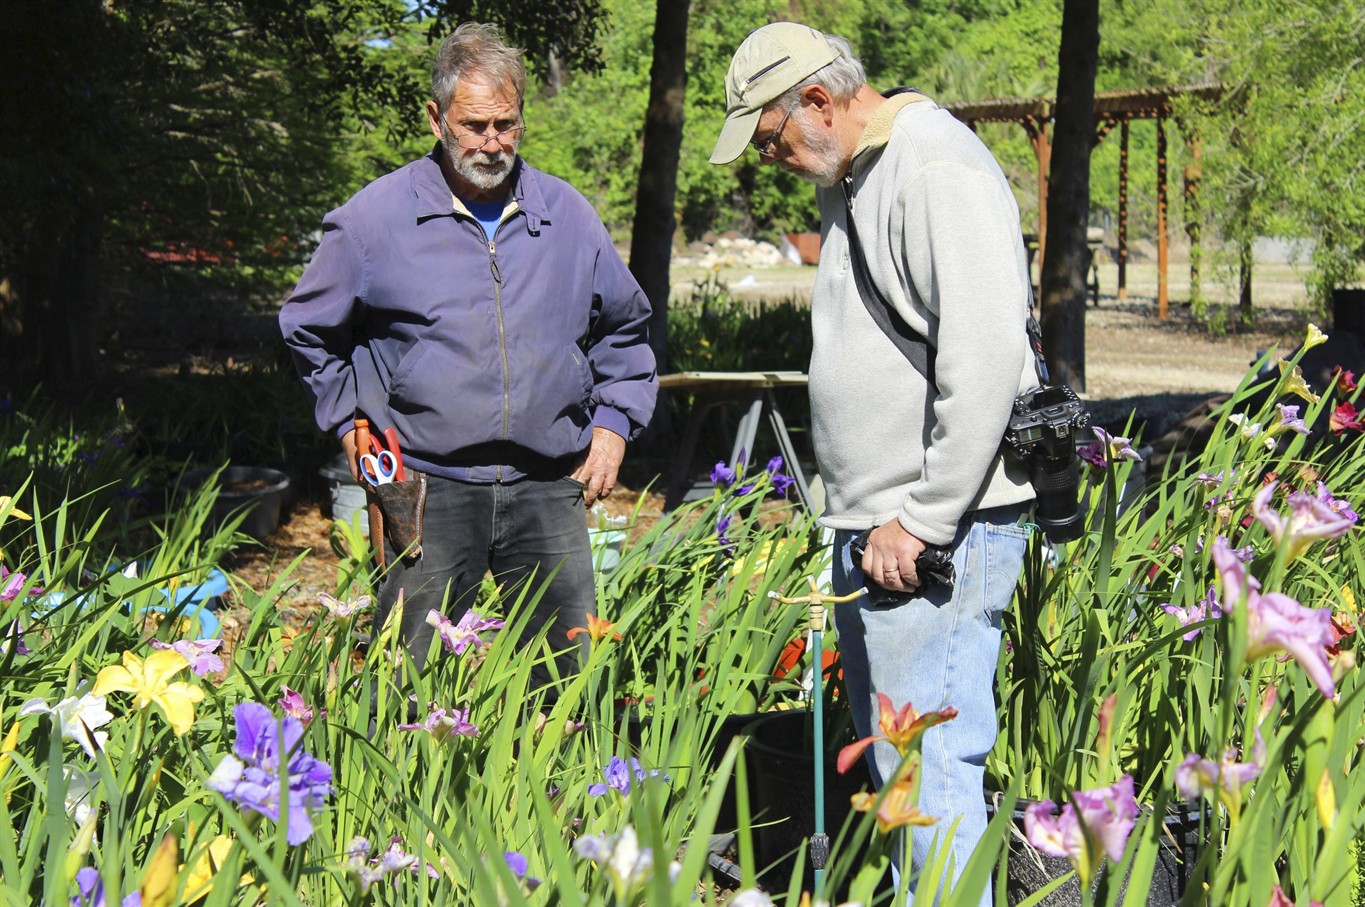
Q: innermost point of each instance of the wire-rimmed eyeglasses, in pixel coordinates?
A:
(765, 148)
(471, 140)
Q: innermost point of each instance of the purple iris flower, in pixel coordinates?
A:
(722, 476)
(14, 582)
(1277, 623)
(1093, 454)
(251, 779)
(443, 724)
(1094, 824)
(519, 866)
(619, 773)
(91, 888)
(1289, 419)
(1197, 774)
(775, 465)
(782, 483)
(1209, 608)
(723, 526)
(460, 636)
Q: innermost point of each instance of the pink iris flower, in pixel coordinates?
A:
(1094, 824)
(1276, 622)
(199, 653)
(293, 705)
(1310, 519)
(1196, 774)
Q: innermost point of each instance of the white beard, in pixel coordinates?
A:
(486, 171)
(825, 149)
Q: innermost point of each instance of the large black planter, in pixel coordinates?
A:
(781, 773)
(1030, 871)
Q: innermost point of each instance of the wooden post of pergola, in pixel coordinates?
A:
(1111, 108)
(1162, 250)
(1123, 212)
(1036, 127)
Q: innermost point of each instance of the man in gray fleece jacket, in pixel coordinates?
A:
(919, 461)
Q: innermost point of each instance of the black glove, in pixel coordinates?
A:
(934, 567)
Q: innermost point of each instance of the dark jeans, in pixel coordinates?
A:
(521, 531)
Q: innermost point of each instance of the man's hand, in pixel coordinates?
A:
(890, 558)
(352, 462)
(597, 469)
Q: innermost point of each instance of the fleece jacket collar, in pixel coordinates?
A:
(878, 130)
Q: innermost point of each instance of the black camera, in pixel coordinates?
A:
(934, 566)
(1042, 431)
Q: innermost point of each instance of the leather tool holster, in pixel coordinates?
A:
(397, 511)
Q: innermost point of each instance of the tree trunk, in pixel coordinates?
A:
(53, 336)
(1062, 283)
(651, 241)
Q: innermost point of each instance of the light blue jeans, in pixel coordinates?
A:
(935, 650)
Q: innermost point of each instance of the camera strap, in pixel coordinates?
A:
(913, 345)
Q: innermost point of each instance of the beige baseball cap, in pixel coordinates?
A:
(771, 60)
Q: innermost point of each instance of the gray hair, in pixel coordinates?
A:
(843, 76)
(476, 48)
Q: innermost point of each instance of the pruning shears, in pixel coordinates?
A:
(380, 462)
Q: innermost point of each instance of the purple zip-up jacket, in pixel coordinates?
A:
(491, 359)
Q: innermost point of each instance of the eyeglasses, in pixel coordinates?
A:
(765, 148)
(472, 140)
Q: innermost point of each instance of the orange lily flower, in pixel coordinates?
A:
(898, 806)
(902, 729)
(597, 629)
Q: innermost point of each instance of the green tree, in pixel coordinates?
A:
(150, 135)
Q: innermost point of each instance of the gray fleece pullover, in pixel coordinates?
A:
(941, 235)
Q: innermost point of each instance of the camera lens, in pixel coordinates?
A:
(1056, 481)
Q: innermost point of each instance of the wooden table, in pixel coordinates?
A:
(755, 391)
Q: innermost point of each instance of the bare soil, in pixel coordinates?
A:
(1136, 362)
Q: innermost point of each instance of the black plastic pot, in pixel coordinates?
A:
(257, 489)
(781, 766)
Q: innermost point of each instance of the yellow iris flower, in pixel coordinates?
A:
(149, 680)
(1294, 383)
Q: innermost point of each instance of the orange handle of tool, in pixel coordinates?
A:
(362, 438)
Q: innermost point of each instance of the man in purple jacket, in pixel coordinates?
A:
(478, 307)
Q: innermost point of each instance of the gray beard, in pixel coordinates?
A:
(486, 171)
(825, 149)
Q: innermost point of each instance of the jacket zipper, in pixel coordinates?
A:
(498, 282)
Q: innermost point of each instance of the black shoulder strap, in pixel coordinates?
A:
(911, 343)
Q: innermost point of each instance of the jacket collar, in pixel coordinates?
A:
(434, 198)
(878, 130)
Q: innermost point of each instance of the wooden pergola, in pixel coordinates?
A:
(1112, 108)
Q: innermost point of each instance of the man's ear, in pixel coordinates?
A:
(821, 102)
(434, 118)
